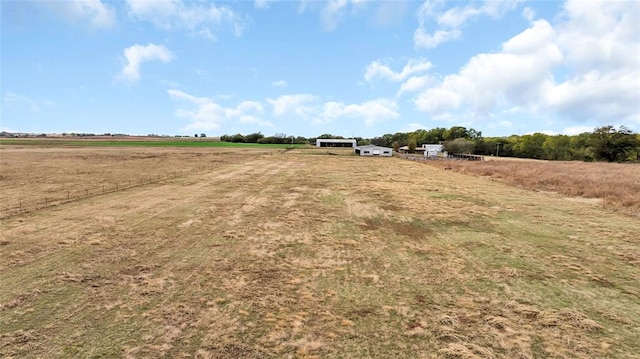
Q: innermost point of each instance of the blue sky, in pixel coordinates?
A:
(346, 67)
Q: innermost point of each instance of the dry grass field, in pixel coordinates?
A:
(302, 254)
(614, 185)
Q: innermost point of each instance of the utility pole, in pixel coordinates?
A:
(498, 149)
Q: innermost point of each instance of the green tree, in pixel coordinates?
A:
(253, 137)
(456, 132)
(459, 145)
(396, 146)
(611, 145)
(412, 145)
(530, 146)
(557, 148)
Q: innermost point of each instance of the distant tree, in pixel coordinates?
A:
(401, 138)
(611, 145)
(379, 141)
(238, 137)
(474, 134)
(396, 146)
(412, 145)
(203, 135)
(456, 132)
(530, 146)
(196, 135)
(253, 137)
(557, 148)
(459, 145)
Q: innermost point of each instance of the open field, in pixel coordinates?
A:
(614, 185)
(301, 254)
(135, 142)
(31, 174)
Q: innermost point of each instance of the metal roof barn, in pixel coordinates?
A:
(372, 150)
(335, 142)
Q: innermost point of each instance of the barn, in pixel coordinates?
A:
(335, 142)
(373, 150)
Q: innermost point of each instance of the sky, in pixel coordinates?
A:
(306, 68)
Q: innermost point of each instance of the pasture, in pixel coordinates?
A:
(257, 253)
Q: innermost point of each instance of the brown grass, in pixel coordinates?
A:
(36, 177)
(617, 186)
(293, 255)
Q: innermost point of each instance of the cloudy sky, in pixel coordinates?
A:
(346, 67)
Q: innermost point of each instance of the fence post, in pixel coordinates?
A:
(20, 206)
(102, 188)
(67, 195)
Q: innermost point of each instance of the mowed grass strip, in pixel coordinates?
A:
(321, 256)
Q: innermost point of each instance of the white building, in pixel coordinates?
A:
(432, 150)
(373, 150)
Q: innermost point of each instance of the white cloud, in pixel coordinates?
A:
(576, 130)
(450, 22)
(371, 112)
(412, 127)
(528, 13)
(137, 54)
(97, 13)
(261, 4)
(298, 104)
(415, 83)
(310, 108)
(194, 16)
(583, 68)
(334, 11)
(205, 114)
(377, 69)
(422, 39)
(517, 74)
(12, 99)
(280, 83)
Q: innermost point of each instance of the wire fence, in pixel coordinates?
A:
(72, 195)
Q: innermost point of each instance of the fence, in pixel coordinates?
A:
(66, 196)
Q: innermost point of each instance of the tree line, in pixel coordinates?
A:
(605, 143)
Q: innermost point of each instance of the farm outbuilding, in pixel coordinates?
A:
(335, 142)
(372, 150)
(432, 150)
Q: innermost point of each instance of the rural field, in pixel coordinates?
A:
(265, 252)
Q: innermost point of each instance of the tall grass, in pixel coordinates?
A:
(617, 185)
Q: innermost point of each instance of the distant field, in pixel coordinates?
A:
(266, 253)
(151, 142)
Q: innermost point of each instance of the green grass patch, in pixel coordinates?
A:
(138, 143)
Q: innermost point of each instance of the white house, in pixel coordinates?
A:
(432, 150)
